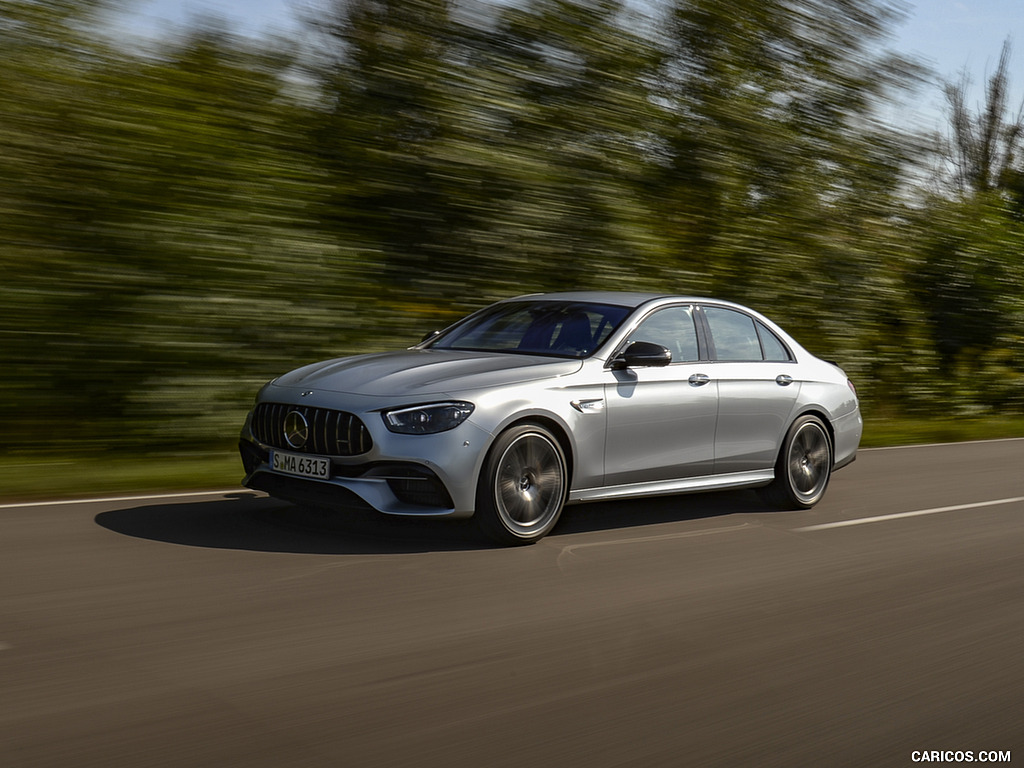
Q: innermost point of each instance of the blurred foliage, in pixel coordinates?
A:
(184, 218)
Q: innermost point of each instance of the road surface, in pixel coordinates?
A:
(232, 629)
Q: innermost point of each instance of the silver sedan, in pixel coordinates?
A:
(540, 401)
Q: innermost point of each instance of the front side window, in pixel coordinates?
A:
(672, 328)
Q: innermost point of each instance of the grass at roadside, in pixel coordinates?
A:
(35, 477)
(24, 478)
(903, 431)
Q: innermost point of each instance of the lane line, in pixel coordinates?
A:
(939, 445)
(109, 499)
(914, 513)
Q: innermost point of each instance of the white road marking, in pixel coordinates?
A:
(938, 445)
(109, 499)
(914, 513)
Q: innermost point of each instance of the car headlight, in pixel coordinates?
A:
(427, 419)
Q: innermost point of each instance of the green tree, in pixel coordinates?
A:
(157, 239)
(576, 122)
(775, 136)
(983, 150)
(970, 269)
(48, 60)
(382, 69)
(499, 148)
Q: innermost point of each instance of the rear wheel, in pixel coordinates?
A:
(803, 468)
(523, 486)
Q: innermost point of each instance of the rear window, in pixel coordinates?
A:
(738, 337)
(734, 334)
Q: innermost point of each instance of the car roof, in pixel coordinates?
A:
(631, 299)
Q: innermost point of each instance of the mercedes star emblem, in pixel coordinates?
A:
(296, 429)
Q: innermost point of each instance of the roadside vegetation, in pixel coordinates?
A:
(183, 218)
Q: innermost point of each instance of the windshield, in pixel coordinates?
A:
(560, 328)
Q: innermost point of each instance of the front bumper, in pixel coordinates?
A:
(422, 475)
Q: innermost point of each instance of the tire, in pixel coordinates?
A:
(523, 486)
(803, 468)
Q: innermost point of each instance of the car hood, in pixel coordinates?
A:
(424, 371)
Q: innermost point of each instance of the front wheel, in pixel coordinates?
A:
(804, 466)
(523, 486)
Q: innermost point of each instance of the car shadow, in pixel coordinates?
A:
(253, 522)
(635, 513)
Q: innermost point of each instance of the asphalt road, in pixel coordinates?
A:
(230, 629)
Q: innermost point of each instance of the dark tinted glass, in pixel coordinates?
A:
(734, 334)
(564, 329)
(774, 349)
(672, 328)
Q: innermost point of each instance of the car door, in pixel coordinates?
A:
(757, 390)
(661, 420)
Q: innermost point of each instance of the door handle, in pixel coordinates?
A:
(783, 380)
(699, 379)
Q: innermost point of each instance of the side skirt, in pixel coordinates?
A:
(685, 485)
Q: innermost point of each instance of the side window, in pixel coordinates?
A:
(734, 334)
(674, 329)
(774, 350)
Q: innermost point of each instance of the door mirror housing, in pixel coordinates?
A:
(642, 354)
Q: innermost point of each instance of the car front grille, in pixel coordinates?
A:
(330, 433)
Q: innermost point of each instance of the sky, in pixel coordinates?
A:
(952, 36)
(246, 16)
(947, 35)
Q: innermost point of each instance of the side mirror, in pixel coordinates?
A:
(642, 354)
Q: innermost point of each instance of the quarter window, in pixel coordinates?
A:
(774, 350)
(672, 328)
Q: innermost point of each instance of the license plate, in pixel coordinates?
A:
(303, 466)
